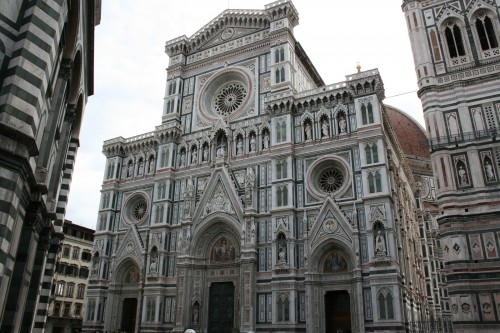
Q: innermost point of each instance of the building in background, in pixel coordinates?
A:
(69, 287)
(457, 62)
(266, 200)
(46, 77)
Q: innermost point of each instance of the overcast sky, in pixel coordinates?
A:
(130, 67)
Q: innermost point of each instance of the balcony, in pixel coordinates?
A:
(450, 141)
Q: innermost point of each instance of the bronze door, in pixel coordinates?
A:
(221, 308)
(337, 312)
(129, 313)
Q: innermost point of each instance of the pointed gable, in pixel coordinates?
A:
(220, 196)
(331, 224)
(130, 246)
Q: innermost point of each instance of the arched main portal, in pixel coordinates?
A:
(334, 289)
(125, 293)
(212, 270)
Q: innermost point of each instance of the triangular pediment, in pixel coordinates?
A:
(232, 24)
(226, 35)
(130, 246)
(219, 196)
(331, 224)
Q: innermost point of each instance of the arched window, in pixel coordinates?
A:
(91, 309)
(374, 182)
(385, 305)
(486, 32)
(280, 75)
(371, 154)
(454, 40)
(279, 55)
(282, 196)
(367, 114)
(280, 131)
(281, 169)
(150, 309)
(283, 308)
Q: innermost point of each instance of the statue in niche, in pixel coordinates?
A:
(196, 313)
(380, 244)
(266, 140)
(194, 156)
(342, 124)
(221, 149)
(308, 132)
(151, 165)
(462, 175)
(141, 167)
(325, 129)
(205, 153)
(488, 170)
(153, 267)
(130, 170)
(239, 146)
(252, 143)
(183, 158)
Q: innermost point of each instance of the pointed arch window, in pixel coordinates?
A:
(282, 196)
(280, 75)
(486, 32)
(371, 154)
(385, 305)
(150, 309)
(280, 131)
(281, 169)
(367, 114)
(279, 55)
(374, 182)
(454, 40)
(283, 308)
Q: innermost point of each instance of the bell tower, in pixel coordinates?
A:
(457, 62)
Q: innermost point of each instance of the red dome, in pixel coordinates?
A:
(410, 134)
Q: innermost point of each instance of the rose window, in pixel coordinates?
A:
(140, 210)
(330, 180)
(136, 210)
(229, 98)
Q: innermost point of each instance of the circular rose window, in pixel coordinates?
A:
(226, 94)
(136, 208)
(328, 175)
(229, 98)
(331, 180)
(140, 209)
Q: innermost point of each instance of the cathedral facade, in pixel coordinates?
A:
(265, 200)
(457, 61)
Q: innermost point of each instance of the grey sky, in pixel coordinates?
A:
(130, 67)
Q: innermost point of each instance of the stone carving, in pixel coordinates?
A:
(252, 143)
(183, 158)
(266, 140)
(308, 131)
(194, 156)
(239, 146)
(325, 129)
(153, 267)
(342, 124)
(205, 153)
(141, 167)
(380, 249)
(130, 170)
